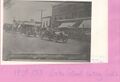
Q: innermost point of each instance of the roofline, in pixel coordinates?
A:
(70, 2)
(75, 19)
(47, 17)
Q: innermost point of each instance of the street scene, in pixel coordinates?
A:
(46, 31)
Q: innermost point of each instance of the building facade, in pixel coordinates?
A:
(46, 22)
(76, 16)
(70, 11)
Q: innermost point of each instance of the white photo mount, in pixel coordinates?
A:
(99, 34)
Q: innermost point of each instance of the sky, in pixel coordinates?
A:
(26, 10)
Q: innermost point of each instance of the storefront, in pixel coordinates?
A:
(76, 29)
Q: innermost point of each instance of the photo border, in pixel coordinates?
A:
(99, 53)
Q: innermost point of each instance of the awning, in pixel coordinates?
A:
(85, 24)
(29, 23)
(75, 19)
(67, 25)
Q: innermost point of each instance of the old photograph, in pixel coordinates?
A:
(44, 31)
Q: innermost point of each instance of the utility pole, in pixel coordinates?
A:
(41, 14)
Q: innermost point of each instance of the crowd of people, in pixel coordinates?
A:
(33, 31)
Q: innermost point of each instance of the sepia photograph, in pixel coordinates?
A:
(45, 31)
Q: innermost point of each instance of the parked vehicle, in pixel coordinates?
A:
(28, 30)
(47, 34)
(61, 36)
(57, 36)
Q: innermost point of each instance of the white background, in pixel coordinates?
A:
(99, 34)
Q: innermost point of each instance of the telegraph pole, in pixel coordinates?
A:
(41, 14)
(41, 11)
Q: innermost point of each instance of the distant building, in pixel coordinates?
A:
(38, 24)
(70, 12)
(75, 16)
(46, 22)
(31, 22)
(26, 26)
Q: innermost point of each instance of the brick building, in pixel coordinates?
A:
(76, 16)
(70, 11)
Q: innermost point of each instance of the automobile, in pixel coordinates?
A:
(57, 36)
(61, 36)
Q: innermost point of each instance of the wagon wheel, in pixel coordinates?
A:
(65, 39)
(55, 38)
